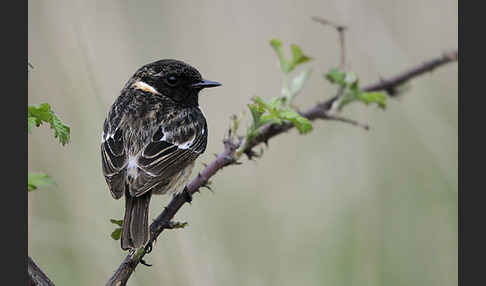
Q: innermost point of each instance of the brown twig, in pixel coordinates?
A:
(390, 85)
(164, 219)
(347, 120)
(342, 47)
(36, 276)
(341, 31)
(319, 111)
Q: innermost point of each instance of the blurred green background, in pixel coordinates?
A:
(340, 206)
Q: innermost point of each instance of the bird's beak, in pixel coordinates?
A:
(205, 83)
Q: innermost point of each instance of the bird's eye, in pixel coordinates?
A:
(172, 80)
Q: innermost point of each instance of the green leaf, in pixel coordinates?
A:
(256, 113)
(352, 92)
(301, 123)
(260, 102)
(271, 108)
(273, 112)
(274, 104)
(277, 47)
(336, 76)
(258, 108)
(343, 79)
(43, 113)
(374, 97)
(116, 234)
(271, 118)
(298, 57)
(118, 222)
(62, 131)
(38, 180)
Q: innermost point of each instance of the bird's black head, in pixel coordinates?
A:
(171, 78)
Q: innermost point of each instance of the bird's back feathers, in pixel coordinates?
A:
(146, 152)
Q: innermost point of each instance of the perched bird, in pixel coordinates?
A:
(153, 133)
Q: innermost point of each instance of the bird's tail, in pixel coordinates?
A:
(135, 232)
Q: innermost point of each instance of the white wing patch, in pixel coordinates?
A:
(164, 138)
(187, 144)
(132, 166)
(106, 137)
(145, 87)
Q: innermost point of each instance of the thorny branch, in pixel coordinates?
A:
(36, 276)
(227, 157)
(391, 84)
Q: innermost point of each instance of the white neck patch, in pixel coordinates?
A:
(145, 87)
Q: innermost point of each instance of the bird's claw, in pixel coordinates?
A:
(145, 263)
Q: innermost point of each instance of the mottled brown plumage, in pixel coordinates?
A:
(153, 133)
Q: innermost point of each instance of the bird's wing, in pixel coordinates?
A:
(113, 159)
(164, 157)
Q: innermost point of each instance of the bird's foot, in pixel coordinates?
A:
(145, 263)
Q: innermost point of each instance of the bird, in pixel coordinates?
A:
(152, 135)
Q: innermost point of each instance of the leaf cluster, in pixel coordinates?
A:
(298, 57)
(278, 110)
(43, 113)
(275, 111)
(36, 115)
(292, 89)
(349, 82)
